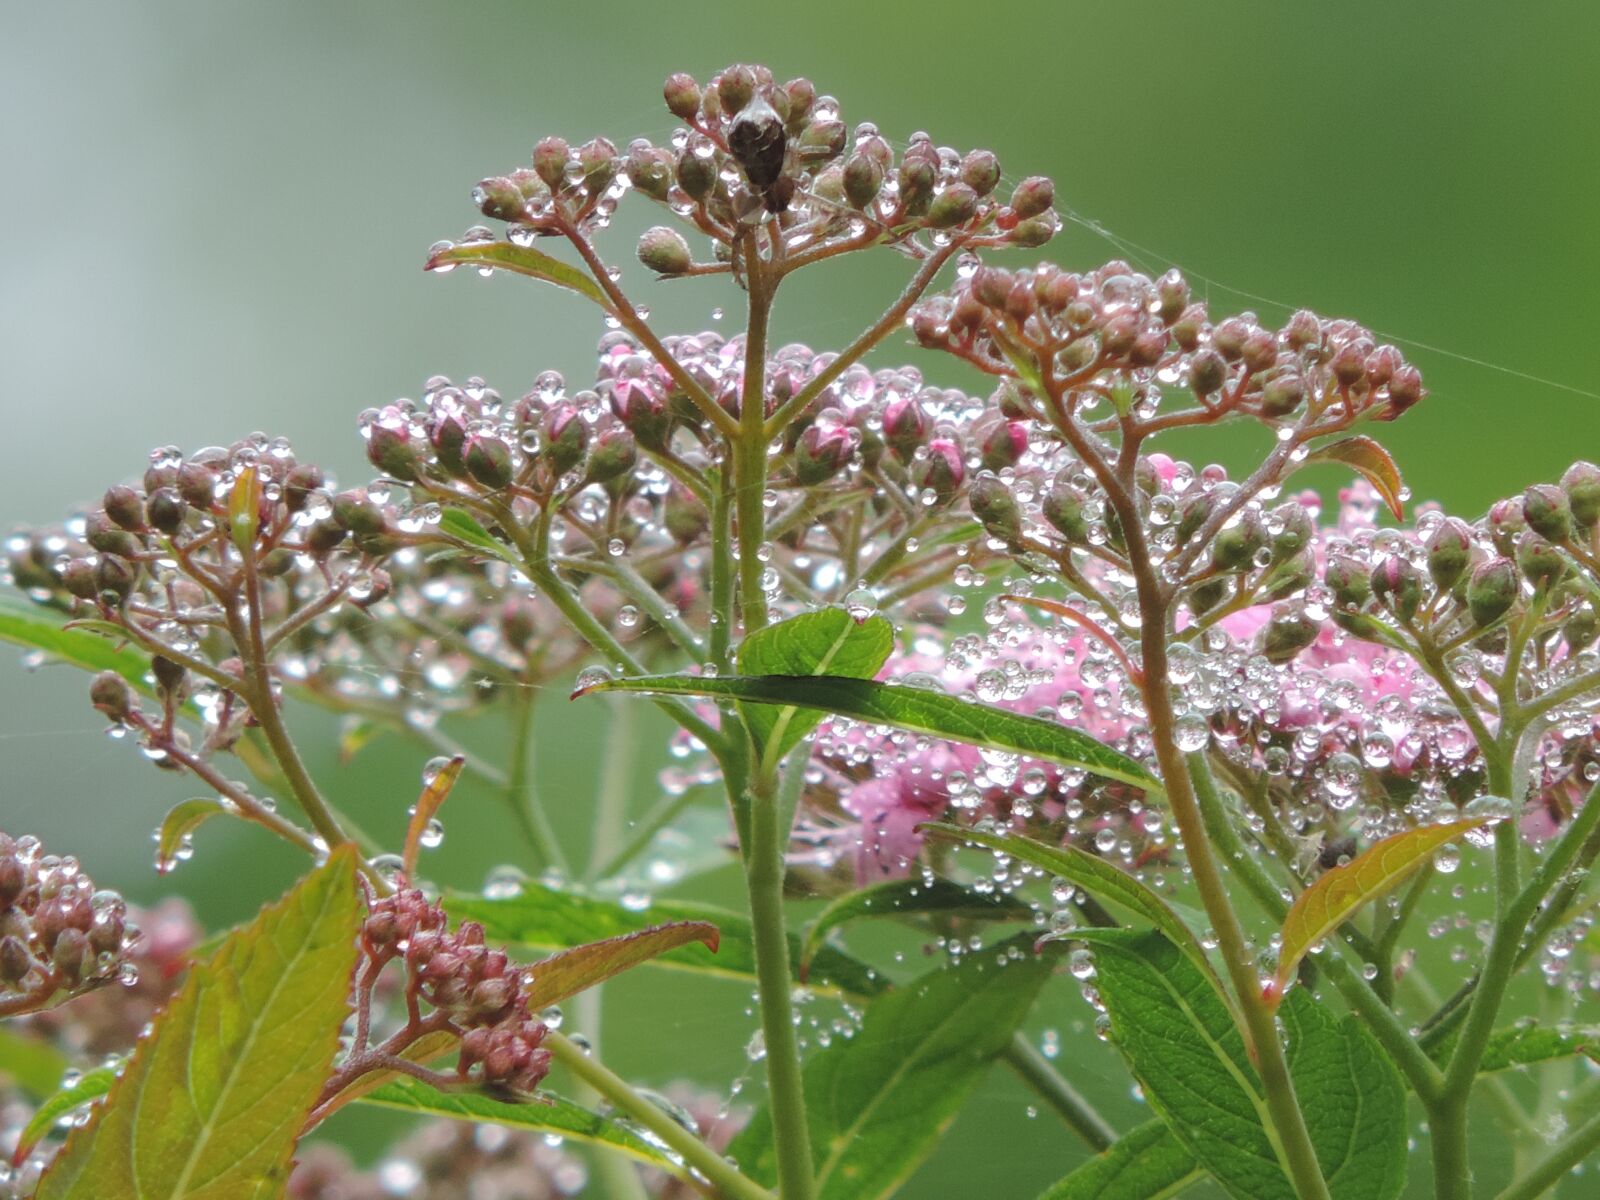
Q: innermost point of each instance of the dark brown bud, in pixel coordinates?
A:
(16, 964)
(197, 484)
(70, 953)
(916, 179)
(169, 676)
(758, 142)
(125, 507)
(108, 538)
(78, 579)
(13, 879)
(115, 578)
(166, 510)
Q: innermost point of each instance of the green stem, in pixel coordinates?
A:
(721, 533)
(764, 880)
(1572, 1150)
(694, 1152)
(750, 449)
(1023, 1057)
(520, 793)
(611, 795)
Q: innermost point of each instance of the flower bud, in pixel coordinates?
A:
(1172, 292)
(1581, 482)
(1405, 388)
(1449, 553)
(615, 452)
(110, 693)
(758, 142)
(1186, 330)
(916, 179)
(735, 86)
(597, 159)
(1063, 508)
(488, 461)
(1290, 576)
(823, 141)
(394, 451)
(1288, 633)
(125, 507)
(941, 472)
(980, 171)
(1031, 234)
(1282, 395)
(77, 576)
(1350, 363)
(499, 199)
(1304, 331)
(1581, 629)
(863, 179)
(169, 676)
(69, 953)
(905, 426)
(1547, 511)
(1348, 580)
(664, 251)
(1541, 563)
(956, 205)
(1195, 512)
(683, 516)
(324, 537)
(697, 176)
(1492, 590)
(822, 452)
(16, 964)
(1296, 530)
(108, 538)
(1205, 596)
(566, 438)
(302, 480)
(1235, 546)
(355, 511)
(682, 94)
(1033, 196)
(1506, 522)
(550, 159)
(13, 879)
(1004, 445)
(1208, 371)
(1260, 350)
(115, 578)
(1398, 586)
(801, 95)
(197, 484)
(650, 170)
(996, 508)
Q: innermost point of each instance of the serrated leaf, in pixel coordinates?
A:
(1146, 1163)
(43, 629)
(1184, 1047)
(434, 794)
(828, 641)
(898, 897)
(1337, 894)
(30, 1063)
(179, 825)
(572, 971)
(1353, 1099)
(1105, 881)
(519, 260)
(464, 527)
(1526, 1044)
(213, 1098)
(1371, 461)
(916, 709)
(544, 918)
(877, 1102)
(89, 1088)
(550, 1115)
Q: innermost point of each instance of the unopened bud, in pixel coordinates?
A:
(684, 517)
(1581, 482)
(664, 251)
(394, 451)
(1492, 590)
(1235, 546)
(1348, 580)
(125, 507)
(566, 437)
(1004, 446)
(13, 879)
(1288, 633)
(499, 199)
(1172, 291)
(941, 471)
(77, 576)
(115, 578)
(1398, 586)
(1506, 523)
(682, 94)
(615, 452)
(1032, 196)
(170, 676)
(1033, 233)
(1282, 395)
(1449, 553)
(1063, 508)
(956, 205)
(905, 426)
(197, 484)
(550, 159)
(1208, 371)
(996, 508)
(488, 461)
(15, 961)
(980, 171)
(697, 176)
(650, 170)
(355, 511)
(822, 452)
(1548, 512)
(110, 693)
(863, 179)
(1540, 562)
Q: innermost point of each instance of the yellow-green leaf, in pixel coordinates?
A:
(212, 1101)
(86, 1090)
(432, 799)
(177, 828)
(1371, 461)
(519, 260)
(572, 971)
(1332, 899)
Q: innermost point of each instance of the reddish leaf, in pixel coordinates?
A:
(1371, 460)
(433, 796)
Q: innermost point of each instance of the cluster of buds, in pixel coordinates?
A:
(473, 991)
(59, 935)
(1116, 342)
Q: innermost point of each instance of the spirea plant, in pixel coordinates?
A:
(996, 665)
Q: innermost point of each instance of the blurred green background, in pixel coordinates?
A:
(213, 219)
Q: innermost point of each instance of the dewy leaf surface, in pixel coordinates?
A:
(1106, 881)
(544, 918)
(878, 1101)
(519, 260)
(42, 629)
(213, 1098)
(550, 1115)
(572, 971)
(828, 641)
(1146, 1163)
(916, 709)
(1334, 897)
(1373, 462)
(178, 826)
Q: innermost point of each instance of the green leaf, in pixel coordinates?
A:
(1106, 882)
(545, 918)
(916, 709)
(31, 1064)
(897, 897)
(42, 629)
(178, 826)
(877, 1102)
(1373, 462)
(1334, 898)
(549, 1114)
(1183, 1046)
(520, 260)
(572, 971)
(211, 1103)
(1526, 1044)
(1353, 1099)
(1146, 1163)
(828, 641)
(464, 527)
(86, 1090)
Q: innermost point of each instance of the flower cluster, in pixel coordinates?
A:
(473, 990)
(59, 934)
